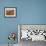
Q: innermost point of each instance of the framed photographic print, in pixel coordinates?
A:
(10, 12)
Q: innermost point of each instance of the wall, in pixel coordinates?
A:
(28, 12)
(33, 12)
